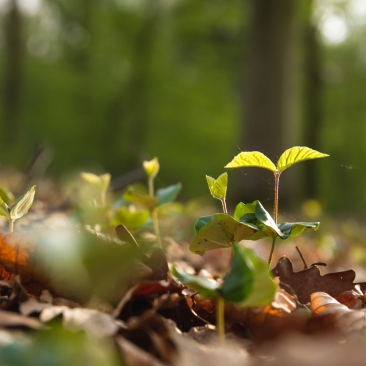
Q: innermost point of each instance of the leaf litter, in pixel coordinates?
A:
(158, 320)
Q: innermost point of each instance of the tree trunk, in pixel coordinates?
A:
(268, 99)
(13, 75)
(312, 102)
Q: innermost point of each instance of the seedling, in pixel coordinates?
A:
(101, 183)
(18, 209)
(288, 158)
(153, 200)
(248, 283)
(218, 189)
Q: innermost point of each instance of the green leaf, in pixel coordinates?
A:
(144, 199)
(242, 209)
(296, 228)
(218, 187)
(100, 182)
(5, 194)
(240, 280)
(131, 219)
(265, 218)
(220, 232)
(23, 204)
(151, 167)
(251, 159)
(264, 288)
(168, 194)
(201, 222)
(297, 154)
(4, 209)
(205, 287)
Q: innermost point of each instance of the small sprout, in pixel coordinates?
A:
(18, 209)
(289, 157)
(100, 182)
(218, 188)
(151, 167)
(249, 283)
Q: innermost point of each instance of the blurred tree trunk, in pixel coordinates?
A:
(268, 98)
(312, 99)
(13, 74)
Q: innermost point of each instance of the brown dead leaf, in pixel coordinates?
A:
(95, 323)
(308, 281)
(9, 319)
(347, 320)
(12, 293)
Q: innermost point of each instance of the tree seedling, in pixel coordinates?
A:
(251, 221)
(288, 158)
(248, 283)
(18, 209)
(153, 200)
(100, 182)
(218, 189)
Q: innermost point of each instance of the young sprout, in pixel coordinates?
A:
(152, 168)
(101, 183)
(218, 189)
(288, 158)
(19, 208)
(249, 283)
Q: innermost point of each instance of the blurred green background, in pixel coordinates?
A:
(105, 84)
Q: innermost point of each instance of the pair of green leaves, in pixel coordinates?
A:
(250, 222)
(289, 157)
(162, 196)
(248, 283)
(100, 182)
(20, 207)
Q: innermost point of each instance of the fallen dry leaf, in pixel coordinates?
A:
(9, 319)
(347, 320)
(310, 280)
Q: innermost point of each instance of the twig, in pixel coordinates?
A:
(302, 258)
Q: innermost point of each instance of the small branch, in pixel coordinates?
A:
(302, 258)
(277, 183)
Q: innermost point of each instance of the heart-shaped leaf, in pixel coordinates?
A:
(264, 288)
(297, 154)
(218, 186)
(4, 209)
(221, 231)
(151, 167)
(239, 282)
(205, 286)
(100, 182)
(168, 194)
(296, 228)
(132, 219)
(22, 204)
(252, 159)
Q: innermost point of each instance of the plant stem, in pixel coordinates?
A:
(11, 225)
(151, 187)
(272, 250)
(156, 227)
(224, 205)
(103, 198)
(220, 318)
(277, 181)
(155, 213)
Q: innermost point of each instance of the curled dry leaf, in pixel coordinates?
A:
(95, 323)
(310, 280)
(12, 292)
(345, 319)
(9, 319)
